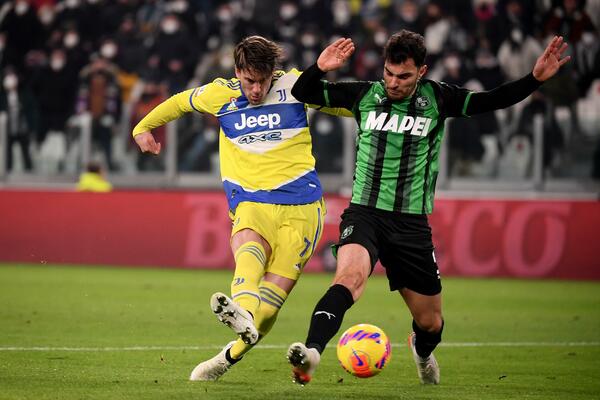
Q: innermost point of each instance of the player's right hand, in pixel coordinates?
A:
(335, 55)
(146, 143)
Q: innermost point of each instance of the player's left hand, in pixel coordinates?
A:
(335, 55)
(551, 60)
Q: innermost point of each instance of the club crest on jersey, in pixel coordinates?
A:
(347, 232)
(422, 102)
(232, 106)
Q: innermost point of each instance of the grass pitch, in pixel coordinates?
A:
(110, 333)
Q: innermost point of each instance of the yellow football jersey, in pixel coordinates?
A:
(265, 150)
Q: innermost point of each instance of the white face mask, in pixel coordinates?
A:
(288, 11)
(46, 16)
(108, 50)
(170, 26)
(341, 13)
(21, 7)
(71, 40)
(452, 63)
(10, 82)
(179, 6)
(380, 38)
(308, 40)
(57, 63)
(226, 61)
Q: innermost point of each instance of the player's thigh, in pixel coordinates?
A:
(407, 255)
(299, 230)
(253, 222)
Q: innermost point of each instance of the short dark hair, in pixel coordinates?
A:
(257, 54)
(404, 45)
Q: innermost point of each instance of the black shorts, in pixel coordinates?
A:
(402, 242)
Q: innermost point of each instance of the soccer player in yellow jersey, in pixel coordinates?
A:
(274, 194)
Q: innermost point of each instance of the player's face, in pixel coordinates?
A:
(255, 86)
(401, 79)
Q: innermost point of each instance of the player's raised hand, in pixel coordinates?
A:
(335, 55)
(146, 143)
(551, 60)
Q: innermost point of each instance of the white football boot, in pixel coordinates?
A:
(427, 368)
(231, 314)
(304, 362)
(213, 369)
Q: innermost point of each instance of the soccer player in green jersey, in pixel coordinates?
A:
(400, 127)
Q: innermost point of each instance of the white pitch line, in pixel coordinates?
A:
(281, 346)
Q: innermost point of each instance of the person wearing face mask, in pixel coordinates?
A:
(99, 93)
(21, 110)
(174, 48)
(57, 77)
(401, 125)
(269, 177)
(22, 31)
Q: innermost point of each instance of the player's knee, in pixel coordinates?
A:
(431, 323)
(353, 280)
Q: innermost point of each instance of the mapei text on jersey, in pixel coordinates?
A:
(418, 126)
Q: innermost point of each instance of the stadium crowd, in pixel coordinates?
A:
(117, 59)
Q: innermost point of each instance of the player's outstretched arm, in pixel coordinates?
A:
(146, 143)
(551, 60)
(335, 55)
(546, 66)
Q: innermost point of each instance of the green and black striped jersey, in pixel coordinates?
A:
(398, 143)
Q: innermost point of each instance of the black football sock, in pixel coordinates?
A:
(229, 358)
(328, 315)
(426, 342)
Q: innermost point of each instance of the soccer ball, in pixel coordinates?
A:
(363, 350)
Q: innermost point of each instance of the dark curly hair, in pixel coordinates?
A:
(404, 45)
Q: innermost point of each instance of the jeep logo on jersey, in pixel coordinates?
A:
(264, 137)
(270, 120)
(418, 126)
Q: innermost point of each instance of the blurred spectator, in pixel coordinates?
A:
(569, 19)
(77, 56)
(93, 179)
(19, 105)
(518, 53)
(436, 29)
(130, 54)
(100, 95)
(56, 79)
(328, 142)
(367, 61)
(21, 31)
(152, 95)
(174, 49)
(553, 135)
(406, 15)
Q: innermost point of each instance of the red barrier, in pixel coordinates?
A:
(518, 238)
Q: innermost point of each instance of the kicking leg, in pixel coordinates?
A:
(353, 268)
(251, 255)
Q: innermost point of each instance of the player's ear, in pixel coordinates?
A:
(238, 73)
(422, 70)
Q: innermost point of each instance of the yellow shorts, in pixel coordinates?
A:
(292, 231)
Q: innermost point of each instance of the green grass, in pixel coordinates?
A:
(99, 312)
